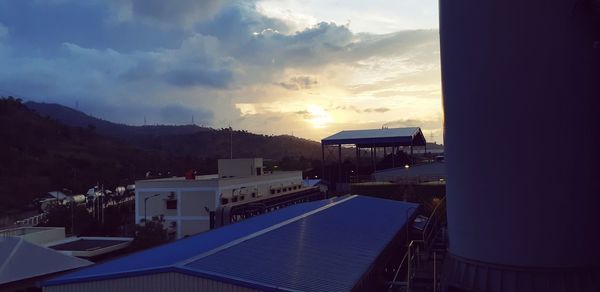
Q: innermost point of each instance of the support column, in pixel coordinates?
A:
(339, 163)
(393, 156)
(322, 161)
(357, 160)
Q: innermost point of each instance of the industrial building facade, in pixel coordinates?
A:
(187, 204)
(338, 244)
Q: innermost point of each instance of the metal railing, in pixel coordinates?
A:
(412, 257)
(31, 221)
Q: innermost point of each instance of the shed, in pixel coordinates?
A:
(328, 245)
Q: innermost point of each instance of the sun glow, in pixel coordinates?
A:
(318, 116)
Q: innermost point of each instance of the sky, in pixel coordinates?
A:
(306, 68)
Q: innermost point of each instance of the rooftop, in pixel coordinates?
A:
(20, 260)
(378, 137)
(324, 245)
(428, 171)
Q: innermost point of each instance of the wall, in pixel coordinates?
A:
(159, 282)
(522, 76)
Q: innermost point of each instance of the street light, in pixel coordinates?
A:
(146, 201)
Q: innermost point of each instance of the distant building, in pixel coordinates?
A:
(419, 173)
(24, 265)
(188, 203)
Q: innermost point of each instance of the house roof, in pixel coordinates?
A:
(378, 137)
(21, 260)
(324, 245)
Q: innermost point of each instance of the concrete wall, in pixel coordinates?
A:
(160, 282)
(239, 167)
(36, 235)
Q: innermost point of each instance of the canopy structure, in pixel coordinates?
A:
(378, 137)
(373, 139)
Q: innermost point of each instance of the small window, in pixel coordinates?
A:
(171, 204)
(234, 199)
(224, 201)
(241, 198)
(253, 195)
(272, 192)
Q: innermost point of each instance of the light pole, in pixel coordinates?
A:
(145, 203)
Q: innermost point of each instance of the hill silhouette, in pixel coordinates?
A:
(40, 154)
(46, 147)
(187, 140)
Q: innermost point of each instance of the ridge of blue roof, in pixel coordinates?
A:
(166, 256)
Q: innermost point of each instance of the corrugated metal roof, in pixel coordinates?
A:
(389, 136)
(318, 246)
(21, 260)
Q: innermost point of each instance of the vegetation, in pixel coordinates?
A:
(39, 155)
(150, 234)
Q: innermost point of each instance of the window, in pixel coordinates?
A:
(171, 204)
(224, 201)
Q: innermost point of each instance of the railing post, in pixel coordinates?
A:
(434, 272)
(408, 269)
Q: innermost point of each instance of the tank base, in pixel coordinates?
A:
(462, 274)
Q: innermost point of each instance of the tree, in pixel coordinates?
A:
(73, 218)
(149, 234)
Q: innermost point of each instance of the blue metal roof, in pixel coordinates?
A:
(323, 245)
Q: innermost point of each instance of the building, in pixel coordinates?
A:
(188, 204)
(24, 265)
(419, 173)
(391, 139)
(340, 244)
(55, 238)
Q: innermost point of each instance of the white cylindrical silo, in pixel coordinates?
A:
(521, 89)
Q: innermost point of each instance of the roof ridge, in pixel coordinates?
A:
(261, 232)
(12, 252)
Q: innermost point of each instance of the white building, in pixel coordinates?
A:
(186, 204)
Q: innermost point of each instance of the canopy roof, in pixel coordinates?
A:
(378, 137)
(21, 260)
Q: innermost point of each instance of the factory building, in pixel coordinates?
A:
(340, 244)
(188, 204)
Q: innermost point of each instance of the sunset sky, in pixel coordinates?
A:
(308, 68)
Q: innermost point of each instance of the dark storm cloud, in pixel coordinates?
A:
(169, 12)
(199, 77)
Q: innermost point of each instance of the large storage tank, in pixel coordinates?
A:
(521, 86)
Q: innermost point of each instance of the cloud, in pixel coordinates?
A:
(377, 110)
(153, 56)
(169, 13)
(299, 82)
(3, 31)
